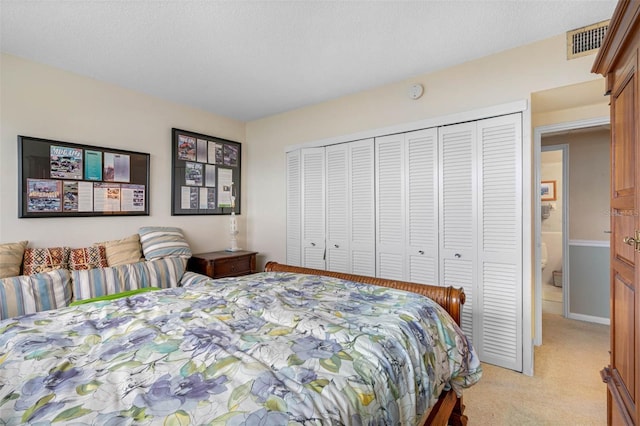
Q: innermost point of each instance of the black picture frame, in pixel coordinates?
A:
(205, 174)
(64, 179)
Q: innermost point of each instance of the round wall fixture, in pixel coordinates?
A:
(416, 90)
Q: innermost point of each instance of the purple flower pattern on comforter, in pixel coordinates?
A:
(264, 349)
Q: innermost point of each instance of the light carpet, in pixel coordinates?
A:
(566, 388)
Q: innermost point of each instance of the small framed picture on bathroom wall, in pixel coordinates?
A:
(548, 190)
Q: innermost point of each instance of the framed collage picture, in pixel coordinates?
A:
(64, 179)
(205, 174)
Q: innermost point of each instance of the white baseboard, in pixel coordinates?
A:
(589, 318)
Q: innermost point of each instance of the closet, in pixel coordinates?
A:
(441, 205)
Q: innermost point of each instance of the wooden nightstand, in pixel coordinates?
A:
(219, 264)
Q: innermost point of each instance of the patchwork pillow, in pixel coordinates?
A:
(88, 258)
(162, 273)
(26, 294)
(11, 258)
(123, 251)
(162, 241)
(45, 259)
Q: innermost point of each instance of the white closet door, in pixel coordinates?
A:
(499, 294)
(422, 206)
(390, 207)
(338, 208)
(362, 208)
(458, 216)
(294, 194)
(313, 208)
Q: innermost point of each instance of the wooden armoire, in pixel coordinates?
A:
(618, 61)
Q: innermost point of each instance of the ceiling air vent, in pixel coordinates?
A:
(586, 40)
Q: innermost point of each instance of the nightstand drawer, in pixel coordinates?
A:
(233, 266)
(219, 264)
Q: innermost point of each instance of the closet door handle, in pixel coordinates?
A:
(313, 244)
(458, 255)
(421, 251)
(336, 246)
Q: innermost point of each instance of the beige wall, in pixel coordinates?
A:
(41, 101)
(589, 186)
(505, 77)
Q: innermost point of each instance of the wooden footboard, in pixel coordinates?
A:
(449, 408)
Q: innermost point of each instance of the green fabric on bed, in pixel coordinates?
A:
(115, 296)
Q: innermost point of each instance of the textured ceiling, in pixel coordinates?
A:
(251, 59)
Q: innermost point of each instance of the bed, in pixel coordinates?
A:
(288, 346)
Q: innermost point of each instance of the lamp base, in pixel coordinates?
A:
(232, 249)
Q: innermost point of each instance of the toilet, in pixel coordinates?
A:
(543, 255)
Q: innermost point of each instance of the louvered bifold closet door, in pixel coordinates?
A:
(294, 194)
(458, 216)
(337, 208)
(422, 206)
(390, 207)
(499, 295)
(362, 224)
(313, 208)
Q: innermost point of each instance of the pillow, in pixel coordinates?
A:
(11, 258)
(161, 241)
(45, 259)
(88, 258)
(162, 273)
(121, 252)
(27, 294)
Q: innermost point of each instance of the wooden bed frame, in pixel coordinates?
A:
(449, 408)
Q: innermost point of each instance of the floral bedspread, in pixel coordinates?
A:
(264, 349)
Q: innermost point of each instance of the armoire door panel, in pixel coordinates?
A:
(623, 145)
(624, 346)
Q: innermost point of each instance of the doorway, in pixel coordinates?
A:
(554, 219)
(580, 236)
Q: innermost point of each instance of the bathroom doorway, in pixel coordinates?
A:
(582, 206)
(553, 209)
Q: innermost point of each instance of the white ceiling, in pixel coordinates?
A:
(251, 59)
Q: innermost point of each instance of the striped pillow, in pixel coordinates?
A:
(123, 251)
(162, 273)
(11, 258)
(158, 242)
(27, 294)
(191, 278)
